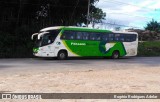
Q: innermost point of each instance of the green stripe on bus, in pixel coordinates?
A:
(93, 48)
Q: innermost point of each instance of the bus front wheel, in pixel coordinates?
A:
(115, 55)
(62, 55)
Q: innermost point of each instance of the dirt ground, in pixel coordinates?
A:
(138, 80)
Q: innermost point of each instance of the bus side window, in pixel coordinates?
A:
(85, 35)
(128, 38)
(79, 35)
(92, 36)
(71, 35)
(105, 37)
(98, 36)
(64, 35)
(111, 37)
(134, 37)
(121, 37)
(95, 36)
(68, 35)
(117, 37)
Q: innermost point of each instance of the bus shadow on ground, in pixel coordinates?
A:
(94, 58)
(5, 66)
(83, 58)
(147, 61)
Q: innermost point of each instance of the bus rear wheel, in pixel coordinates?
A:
(115, 55)
(62, 55)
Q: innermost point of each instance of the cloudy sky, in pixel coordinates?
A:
(130, 13)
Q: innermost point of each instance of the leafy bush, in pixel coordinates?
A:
(13, 46)
(149, 48)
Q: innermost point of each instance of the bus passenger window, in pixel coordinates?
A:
(128, 38)
(92, 36)
(85, 35)
(68, 35)
(71, 35)
(64, 35)
(117, 37)
(105, 37)
(121, 38)
(98, 36)
(79, 35)
(111, 37)
(134, 37)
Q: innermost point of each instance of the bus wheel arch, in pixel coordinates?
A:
(62, 54)
(115, 54)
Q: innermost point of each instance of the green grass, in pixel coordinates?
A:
(149, 48)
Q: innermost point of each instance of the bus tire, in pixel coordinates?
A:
(62, 55)
(115, 55)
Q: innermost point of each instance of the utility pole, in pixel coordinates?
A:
(88, 13)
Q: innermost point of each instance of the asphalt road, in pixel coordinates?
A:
(31, 65)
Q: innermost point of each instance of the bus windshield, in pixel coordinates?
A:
(46, 38)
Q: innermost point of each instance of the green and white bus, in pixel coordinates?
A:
(67, 41)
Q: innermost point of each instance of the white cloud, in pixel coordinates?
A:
(130, 12)
(155, 6)
(129, 9)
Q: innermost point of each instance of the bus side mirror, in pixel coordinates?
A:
(41, 34)
(32, 37)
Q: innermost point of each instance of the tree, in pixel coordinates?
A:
(19, 19)
(153, 26)
(49, 12)
(97, 16)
